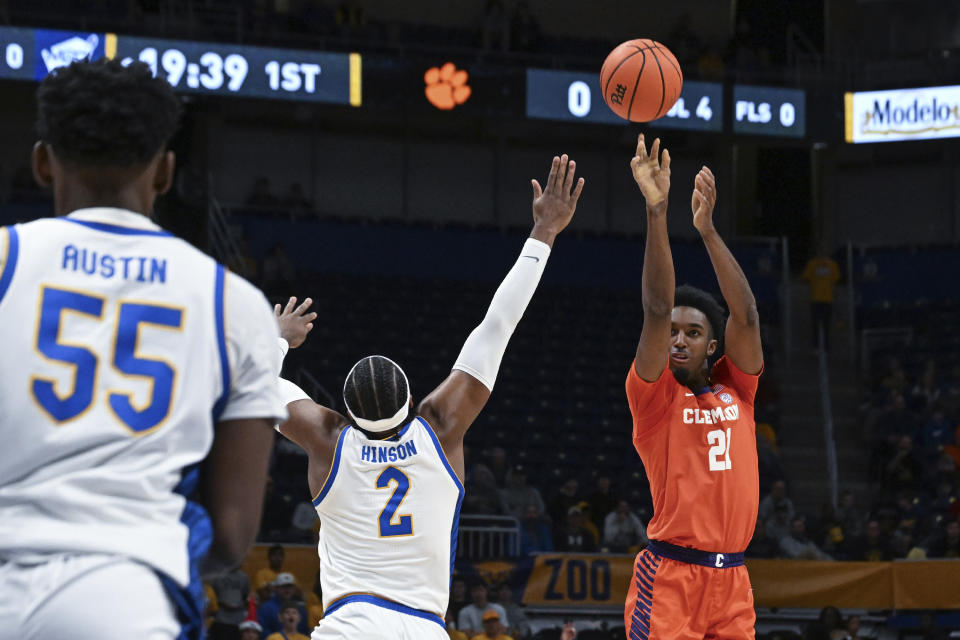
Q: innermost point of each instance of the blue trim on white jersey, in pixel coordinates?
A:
(455, 529)
(333, 470)
(123, 231)
(220, 320)
(10, 265)
(386, 604)
(188, 601)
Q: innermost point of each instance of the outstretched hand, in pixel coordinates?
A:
(651, 172)
(554, 204)
(703, 200)
(295, 323)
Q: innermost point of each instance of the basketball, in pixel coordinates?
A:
(640, 80)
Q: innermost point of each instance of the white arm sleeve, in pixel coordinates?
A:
(289, 392)
(483, 350)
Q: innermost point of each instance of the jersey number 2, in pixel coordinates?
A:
(85, 363)
(720, 451)
(403, 526)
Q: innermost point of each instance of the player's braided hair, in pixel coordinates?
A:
(376, 388)
(105, 114)
(689, 296)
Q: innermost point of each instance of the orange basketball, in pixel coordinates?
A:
(640, 80)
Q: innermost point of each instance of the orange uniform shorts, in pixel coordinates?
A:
(683, 601)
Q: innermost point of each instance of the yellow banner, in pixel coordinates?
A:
(602, 580)
(590, 580)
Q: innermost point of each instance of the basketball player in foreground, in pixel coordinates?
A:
(694, 430)
(129, 357)
(387, 480)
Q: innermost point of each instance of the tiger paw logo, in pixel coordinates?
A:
(446, 86)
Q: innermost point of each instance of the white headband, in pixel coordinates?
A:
(383, 424)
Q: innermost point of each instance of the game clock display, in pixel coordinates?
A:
(191, 67)
(199, 67)
(575, 96)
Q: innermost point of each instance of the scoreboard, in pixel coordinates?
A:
(192, 67)
(575, 96)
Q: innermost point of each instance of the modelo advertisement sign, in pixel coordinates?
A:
(902, 114)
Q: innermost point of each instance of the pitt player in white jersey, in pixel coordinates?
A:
(129, 358)
(387, 482)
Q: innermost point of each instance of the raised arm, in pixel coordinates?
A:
(312, 426)
(742, 335)
(453, 406)
(658, 281)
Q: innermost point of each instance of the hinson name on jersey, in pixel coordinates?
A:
(388, 454)
(99, 263)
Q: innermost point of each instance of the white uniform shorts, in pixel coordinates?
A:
(83, 596)
(372, 622)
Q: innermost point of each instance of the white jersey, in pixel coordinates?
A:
(389, 511)
(122, 346)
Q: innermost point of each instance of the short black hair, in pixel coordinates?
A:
(375, 388)
(276, 547)
(688, 296)
(103, 113)
(290, 604)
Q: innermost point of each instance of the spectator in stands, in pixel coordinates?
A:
(290, 618)
(519, 625)
(482, 496)
(535, 534)
(828, 622)
(936, 432)
(470, 619)
(776, 497)
(261, 195)
(849, 516)
(778, 527)
(761, 546)
(798, 546)
(827, 532)
(768, 463)
(946, 500)
(871, 546)
(250, 630)
(458, 596)
(595, 531)
(602, 501)
(925, 394)
(895, 378)
(853, 628)
(284, 590)
(953, 450)
(945, 543)
(518, 494)
(452, 631)
(623, 530)
(492, 628)
(232, 589)
(903, 539)
(822, 273)
(497, 462)
(567, 497)
(574, 535)
(263, 580)
(903, 469)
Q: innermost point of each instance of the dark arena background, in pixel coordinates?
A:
(320, 156)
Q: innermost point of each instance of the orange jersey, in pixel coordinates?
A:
(700, 454)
